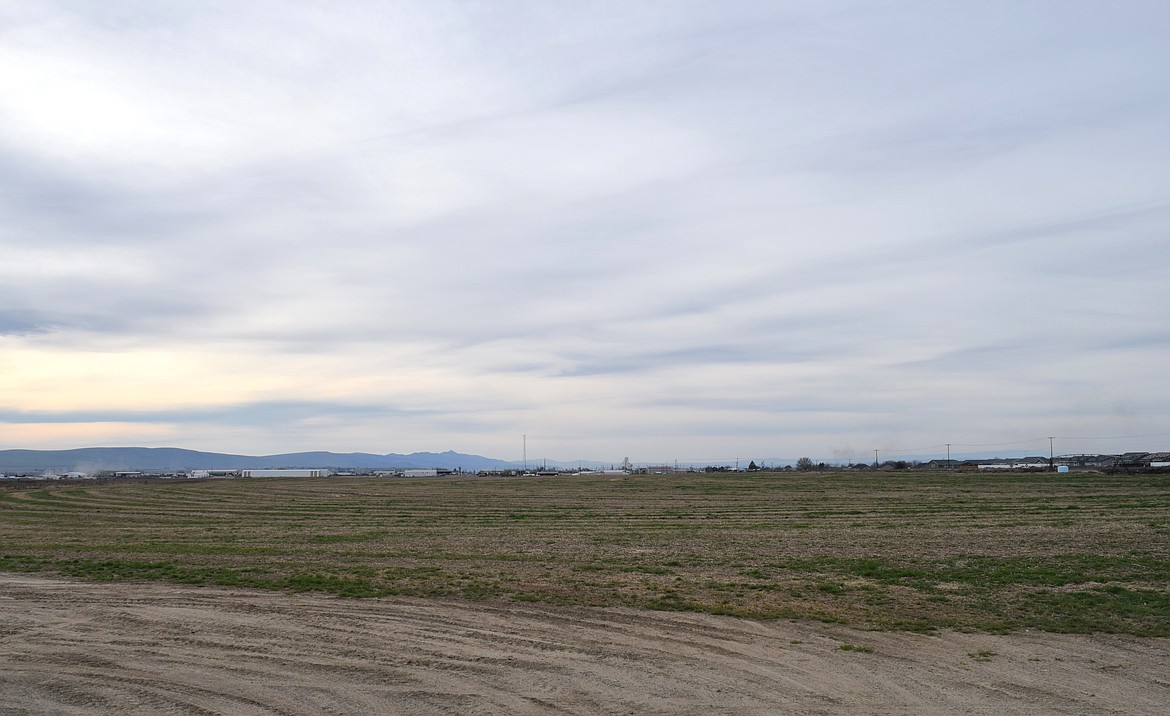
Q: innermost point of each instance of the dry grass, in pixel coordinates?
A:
(914, 551)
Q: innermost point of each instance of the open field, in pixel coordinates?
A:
(995, 553)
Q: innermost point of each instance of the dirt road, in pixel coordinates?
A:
(79, 648)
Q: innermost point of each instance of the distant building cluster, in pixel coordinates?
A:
(1130, 462)
(221, 474)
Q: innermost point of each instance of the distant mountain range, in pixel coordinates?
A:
(177, 459)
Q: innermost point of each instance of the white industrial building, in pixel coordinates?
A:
(309, 472)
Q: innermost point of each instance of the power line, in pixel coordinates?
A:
(907, 451)
(1016, 442)
(1115, 437)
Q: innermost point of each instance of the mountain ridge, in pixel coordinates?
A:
(94, 459)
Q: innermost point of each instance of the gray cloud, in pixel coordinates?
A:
(269, 414)
(19, 323)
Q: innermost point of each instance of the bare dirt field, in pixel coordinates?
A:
(74, 647)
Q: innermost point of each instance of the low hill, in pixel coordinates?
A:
(177, 459)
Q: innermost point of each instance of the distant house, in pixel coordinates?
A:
(1103, 461)
(1159, 459)
(1134, 459)
(941, 464)
(1031, 463)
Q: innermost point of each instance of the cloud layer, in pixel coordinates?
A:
(684, 231)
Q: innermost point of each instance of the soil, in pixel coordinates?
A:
(69, 647)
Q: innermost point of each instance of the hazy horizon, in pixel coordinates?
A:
(594, 462)
(672, 230)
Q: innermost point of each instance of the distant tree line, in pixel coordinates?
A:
(805, 464)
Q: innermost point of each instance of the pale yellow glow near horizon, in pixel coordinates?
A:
(46, 378)
(64, 436)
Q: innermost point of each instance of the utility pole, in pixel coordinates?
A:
(525, 438)
(875, 459)
(1051, 467)
(948, 456)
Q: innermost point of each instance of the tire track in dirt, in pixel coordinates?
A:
(82, 648)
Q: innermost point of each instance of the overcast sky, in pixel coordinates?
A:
(667, 230)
